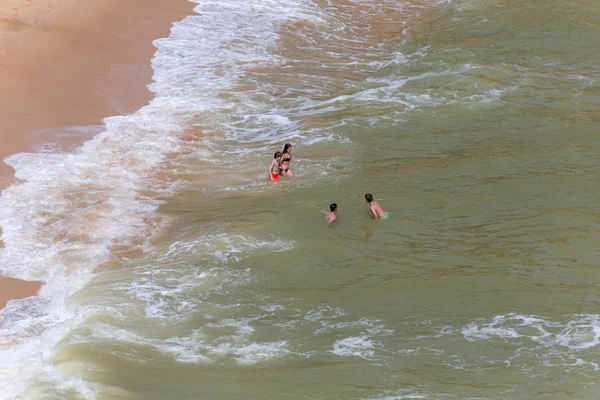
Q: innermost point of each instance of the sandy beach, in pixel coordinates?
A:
(72, 63)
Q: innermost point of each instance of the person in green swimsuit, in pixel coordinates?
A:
(376, 209)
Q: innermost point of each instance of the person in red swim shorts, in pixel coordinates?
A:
(275, 167)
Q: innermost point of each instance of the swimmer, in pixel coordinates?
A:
(274, 167)
(376, 209)
(331, 214)
(285, 160)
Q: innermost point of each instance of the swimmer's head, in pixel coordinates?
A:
(369, 197)
(286, 147)
(277, 155)
(333, 207)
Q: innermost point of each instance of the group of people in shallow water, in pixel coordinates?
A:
(280, 166)
(374, 206)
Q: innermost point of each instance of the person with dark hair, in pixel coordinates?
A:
(275, 167)
(376, 209)
(285, 160)
(331, 214)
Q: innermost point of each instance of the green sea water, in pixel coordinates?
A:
(475, 126)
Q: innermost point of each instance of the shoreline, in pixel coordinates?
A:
(72, 64)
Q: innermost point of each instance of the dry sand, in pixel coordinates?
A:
(72, 63)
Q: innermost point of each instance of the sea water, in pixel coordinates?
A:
(174, 270)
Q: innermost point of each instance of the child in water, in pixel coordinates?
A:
(274, 167)
(331, 214)
(376, 209)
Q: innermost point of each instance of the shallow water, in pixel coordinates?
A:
(473, 124)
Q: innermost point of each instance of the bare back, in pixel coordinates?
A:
(330, 217)
(376, 210)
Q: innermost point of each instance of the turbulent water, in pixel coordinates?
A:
(174, 270)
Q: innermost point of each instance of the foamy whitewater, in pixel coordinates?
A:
(173, 270)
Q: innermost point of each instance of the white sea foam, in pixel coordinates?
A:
(224, 247)
(562, 342)
(580, 333)
(174, 291)
(234, 338)
(178, 289)
(358, 346)
(400, 397)
(234, 342)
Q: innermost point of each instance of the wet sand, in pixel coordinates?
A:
(11, 288)
(72, 63)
